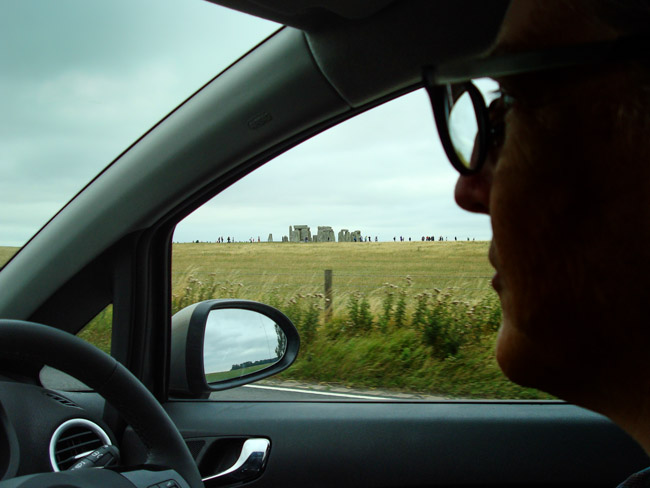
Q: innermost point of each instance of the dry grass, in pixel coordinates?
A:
(256, 271)
(6, 253)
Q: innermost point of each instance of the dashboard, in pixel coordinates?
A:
(42, 430)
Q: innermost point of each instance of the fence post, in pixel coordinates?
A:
(328, 295)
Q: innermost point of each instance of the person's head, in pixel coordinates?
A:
(567, 185)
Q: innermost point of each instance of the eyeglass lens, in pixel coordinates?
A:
(463, 129)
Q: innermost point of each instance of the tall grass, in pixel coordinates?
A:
(419, 341)
(430, 331)
(414, 316)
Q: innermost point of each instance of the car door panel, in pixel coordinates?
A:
(415, 444)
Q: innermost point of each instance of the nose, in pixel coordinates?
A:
(472, 192)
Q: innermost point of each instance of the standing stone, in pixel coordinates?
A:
(270, 239)
(303, 233)
(325, 234)
(294, 235)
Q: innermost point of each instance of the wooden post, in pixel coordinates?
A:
(328, 295)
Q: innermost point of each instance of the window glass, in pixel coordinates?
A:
(412, 314)
(98, 330)
(6, 253)
(81, 81)
(98, 333)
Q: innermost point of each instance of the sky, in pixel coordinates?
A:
(233, 336)
(81, 80)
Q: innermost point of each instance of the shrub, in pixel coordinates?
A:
(441, 330)
(304, 311)
(386, 306)
(419, 314)
(359, 315)
(399, 317)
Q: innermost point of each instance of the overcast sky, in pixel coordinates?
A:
(82, 79)
(235, 336)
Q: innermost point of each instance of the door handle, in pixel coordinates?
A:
(249, 465)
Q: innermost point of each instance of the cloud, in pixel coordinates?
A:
(83, 80)
(383, 172)
(234, 336)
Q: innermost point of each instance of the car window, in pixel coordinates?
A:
(6, 252)
(98, 330)
(367, 210)
(81, 81)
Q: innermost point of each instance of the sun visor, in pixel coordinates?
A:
(369, 58)
(368, 49)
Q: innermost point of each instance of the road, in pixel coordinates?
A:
(268, 390)
(290, 391)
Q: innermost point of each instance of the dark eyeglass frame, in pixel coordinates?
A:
(455, 77)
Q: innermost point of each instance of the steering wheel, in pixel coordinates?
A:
(164, 444)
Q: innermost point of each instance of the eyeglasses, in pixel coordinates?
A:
(468, 127)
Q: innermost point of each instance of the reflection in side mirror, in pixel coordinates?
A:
(224, 343)
(239, 342)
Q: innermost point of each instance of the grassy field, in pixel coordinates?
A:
(6, 253)
(260, 270)
(408, 316)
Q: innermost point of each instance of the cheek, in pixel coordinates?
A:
(557, 229)
(522, 225)
(533, 195)
(518, 357)
(570, 206)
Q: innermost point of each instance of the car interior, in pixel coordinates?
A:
(111, 245)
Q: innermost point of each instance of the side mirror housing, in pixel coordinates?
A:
(225, 343)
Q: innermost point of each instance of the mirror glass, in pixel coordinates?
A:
(239, 342)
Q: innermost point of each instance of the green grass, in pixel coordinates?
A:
(403, 363)
(98, 330)
(408, 316)
(235, 373)
(259, 270)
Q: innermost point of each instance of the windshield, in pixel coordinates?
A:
(81, 81)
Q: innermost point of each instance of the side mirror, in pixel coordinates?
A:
(224, 343)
